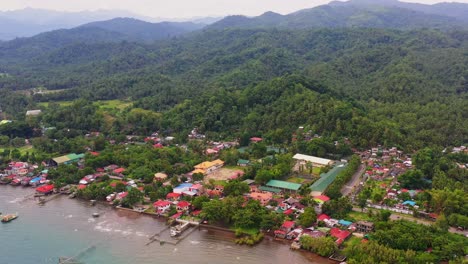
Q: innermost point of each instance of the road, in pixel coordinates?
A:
(355, 180)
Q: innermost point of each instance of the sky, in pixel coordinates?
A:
(178, 8)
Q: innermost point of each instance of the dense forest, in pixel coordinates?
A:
(376, 86)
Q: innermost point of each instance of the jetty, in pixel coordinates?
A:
(45, 199)
(175, 232)
(74, 260)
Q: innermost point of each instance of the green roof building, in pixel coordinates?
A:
(284, 185)
(67, 159)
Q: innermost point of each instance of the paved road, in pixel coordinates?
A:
(355, 180)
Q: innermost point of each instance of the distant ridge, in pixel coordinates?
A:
(359, 13)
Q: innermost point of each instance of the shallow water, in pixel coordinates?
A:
(65, 227)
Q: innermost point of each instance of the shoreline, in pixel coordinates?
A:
(217, 229)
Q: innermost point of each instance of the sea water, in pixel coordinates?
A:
(65, 227)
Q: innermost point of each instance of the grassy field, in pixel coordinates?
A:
(113, 104)
(108, 104)
(22, 150)
(296, 180)
(358, 216)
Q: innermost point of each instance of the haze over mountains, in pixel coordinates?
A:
(29, 22)
(359, 13)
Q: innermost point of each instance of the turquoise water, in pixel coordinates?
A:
(64, 227)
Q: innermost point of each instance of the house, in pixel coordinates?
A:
(321, 199)
(291, 201)
(287, 227)
(315, 161)
(263, 198)
(344, 223)
(110, 168)
(16, 168)
(211, 151)
(196, 188)
(173, 196)
(33, 112)
(118, 171)
(243, 163)
(364, 226)
(208, 167)
(283, 206)
(183, 206)
(340, 235)
(184, 187)
(323, 217)
(161, 206)
(160, 176)
(255, 139)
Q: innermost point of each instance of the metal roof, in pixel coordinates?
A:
(284, 185)
(312, 159)
(326, 179)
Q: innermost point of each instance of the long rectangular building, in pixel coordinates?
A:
(284, 185)
(316, 161)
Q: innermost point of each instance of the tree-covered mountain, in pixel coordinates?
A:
(29, 21)
(358, 13)
(138, 30)
(409, 86)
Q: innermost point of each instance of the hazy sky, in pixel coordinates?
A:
(178, 8)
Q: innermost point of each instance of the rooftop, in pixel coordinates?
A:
(326, 179)
(284, 185)
(312, 159)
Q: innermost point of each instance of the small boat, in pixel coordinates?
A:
(25, 181)
(95, 214)
(72, 195)
(9, 217)
(68, 260)
(16, 181)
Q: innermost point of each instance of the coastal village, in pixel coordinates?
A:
(295, 205)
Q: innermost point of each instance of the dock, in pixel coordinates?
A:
(175, 240)
(45, 199)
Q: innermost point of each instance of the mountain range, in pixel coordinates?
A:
(29, 22)
(359, 13)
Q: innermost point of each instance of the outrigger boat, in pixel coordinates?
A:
(9, 217)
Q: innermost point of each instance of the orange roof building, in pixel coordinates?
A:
(208, 167)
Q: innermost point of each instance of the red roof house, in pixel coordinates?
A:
(341, 235)
(161, 206)
(173, 196)
(322, 198)
(256, 139)
(183, 206)
(119, 170)
(323, 217)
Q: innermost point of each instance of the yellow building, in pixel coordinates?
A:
(208, 167)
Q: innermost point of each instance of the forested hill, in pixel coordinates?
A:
(410, 85)
(110, 31)
(359, 13)
(138, 30)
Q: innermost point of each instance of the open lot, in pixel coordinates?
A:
(222, 174)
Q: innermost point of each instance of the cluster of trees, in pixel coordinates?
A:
(334, 190)
(234, 211)
(404, 235)
(323, 246)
